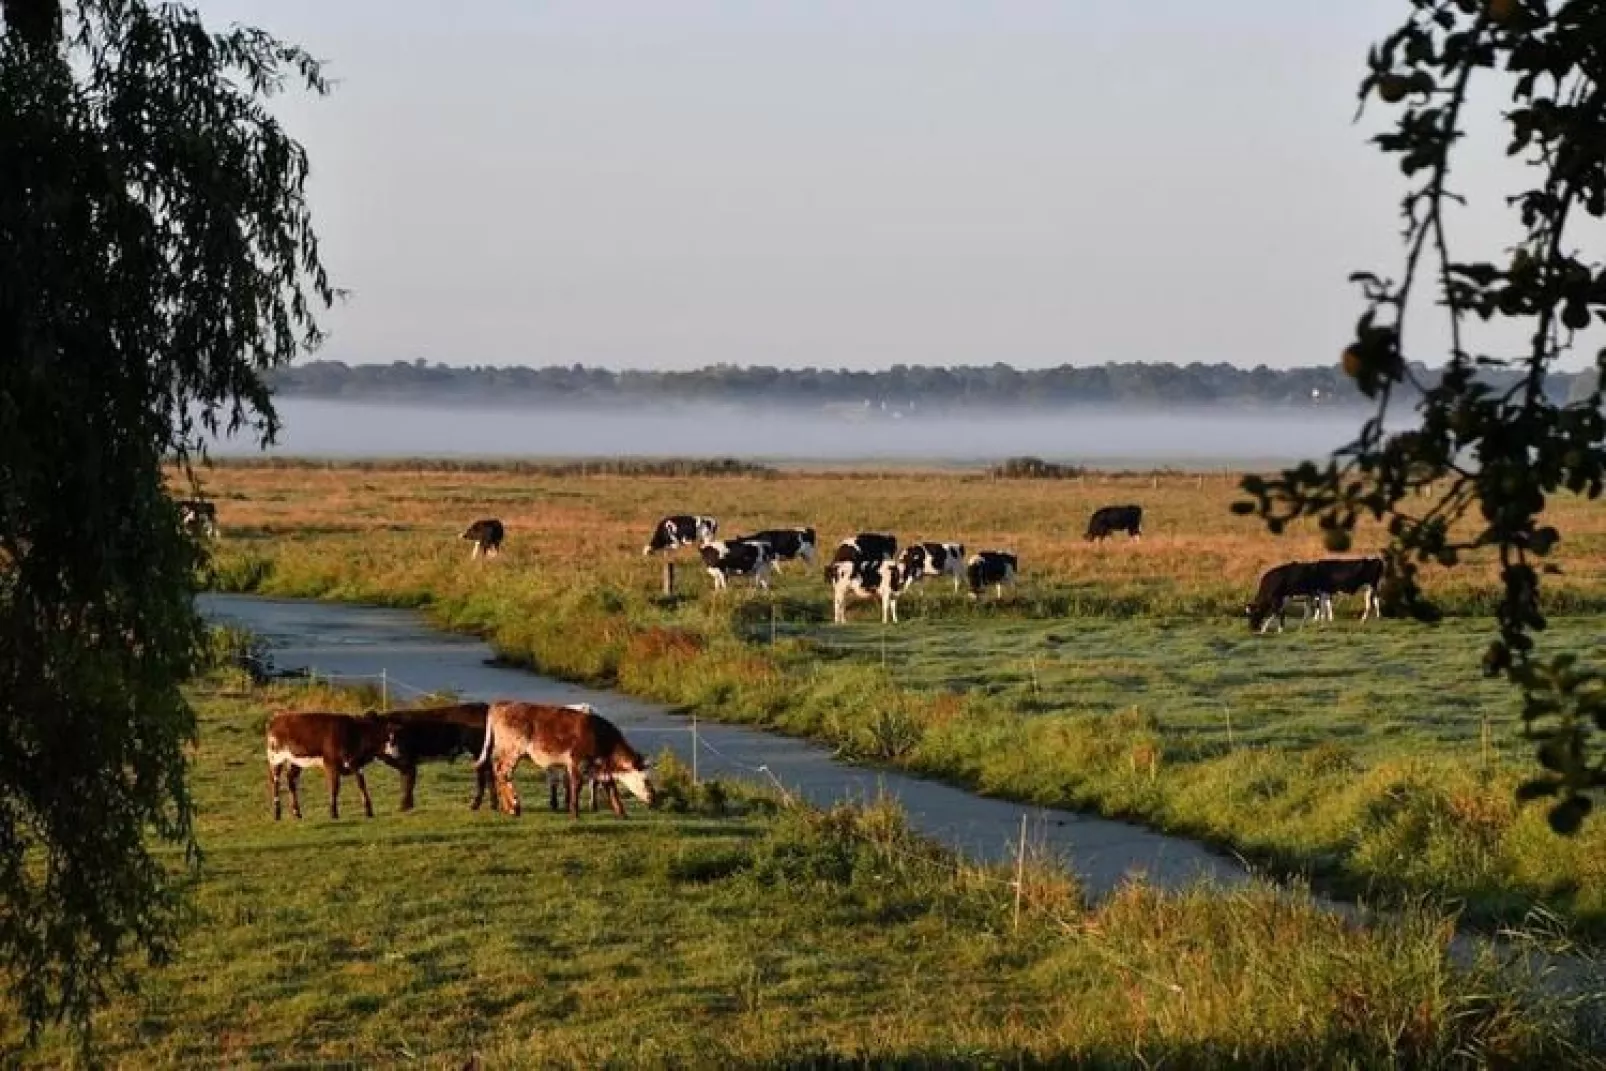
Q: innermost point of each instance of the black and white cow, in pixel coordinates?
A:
(681, 530)
(198, 516)
(786, 544)
(868, 578)
(726, 559)
(991, 568)
(487, 536)
(1108, 520)
(934, 559)
(1314, 583)
(866, 546)
(1350, 576)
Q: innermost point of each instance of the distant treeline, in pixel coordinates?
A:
(603, 466)
(902, 388)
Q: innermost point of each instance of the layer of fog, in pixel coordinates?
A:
(1196, 437)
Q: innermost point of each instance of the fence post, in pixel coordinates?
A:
(696, 746)
(669, 579)
(384, 688)
(1020, 870)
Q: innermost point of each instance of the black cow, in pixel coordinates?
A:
(934, 559)
(727, 559)
(487, 536)
(1108, 520)
(1315, 583)
(786, 544)
(681, 530)
(427, 734)
(993, 568)
(866, 546)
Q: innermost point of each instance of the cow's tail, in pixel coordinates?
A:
(485, 751)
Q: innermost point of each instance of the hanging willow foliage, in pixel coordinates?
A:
(156, 259)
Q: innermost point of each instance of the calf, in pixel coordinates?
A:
(933, 559)
(427, 734)
(1108, 520)
(866, 546)
(725, 560)
(339, 743)
(786, 544)
(487, 537)
(993, 568)
(583, 742)
(680, 530)
(878, 578)
(198, 516)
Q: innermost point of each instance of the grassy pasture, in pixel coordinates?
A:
(1117, 677)
(721, 931)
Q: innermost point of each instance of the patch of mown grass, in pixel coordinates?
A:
(729, 931)
(1372, 758)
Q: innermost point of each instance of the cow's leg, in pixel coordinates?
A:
(367, 800)
(331, 772)
(273, 788)
(504, 783)
(614, 802)
(839, 613)
(409, 778)
(482, 780)
(292, 781)
(1369, 604)
(474, 553)
(572, 798)
(553, 776)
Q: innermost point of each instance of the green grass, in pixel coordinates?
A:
(733, 933)
(1356, 756)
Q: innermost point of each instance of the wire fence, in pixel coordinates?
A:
(699, 743)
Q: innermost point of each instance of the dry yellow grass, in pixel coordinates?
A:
(1193, 546)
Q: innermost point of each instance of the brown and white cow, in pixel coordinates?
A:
(426, 734)
(340, 743)
(581, 741)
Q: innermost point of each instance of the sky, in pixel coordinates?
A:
(847, 184)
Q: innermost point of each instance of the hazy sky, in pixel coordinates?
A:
(852, 184)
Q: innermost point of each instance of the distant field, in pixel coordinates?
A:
(719, 931)
(1118, 677)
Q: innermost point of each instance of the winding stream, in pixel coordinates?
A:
(339, 639)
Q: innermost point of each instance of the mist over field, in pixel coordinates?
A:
(1092, 435)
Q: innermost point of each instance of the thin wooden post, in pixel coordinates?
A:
(669, 579)
(384, 688)
(695, 748)
(1020, 870)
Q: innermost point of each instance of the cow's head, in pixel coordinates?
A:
(629, 769)
(1257, 615)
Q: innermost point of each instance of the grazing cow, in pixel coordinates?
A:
(681, 530)
(338, 743)
(877, 578)
(786, 544)
(583, 742)
(198, 516)
(487, 537)
(866, 546)
(1315, 583)
(727, 559)
(425, 734)
(1349, 576)
(934, 559)
(991, 567)
(1108, 520)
